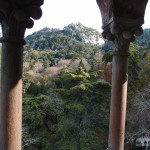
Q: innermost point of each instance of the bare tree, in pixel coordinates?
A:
(138, 116)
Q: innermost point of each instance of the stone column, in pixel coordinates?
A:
(11, 96)
(15, 18)
(121, 21)
(121, 36)
(118, 98)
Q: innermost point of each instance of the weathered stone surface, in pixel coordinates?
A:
(15, 17)
(122, 17)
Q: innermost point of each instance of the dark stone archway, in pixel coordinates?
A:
(122, 20)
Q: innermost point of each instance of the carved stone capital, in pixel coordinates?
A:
(16, 16)
(122, 20)
(122, 31)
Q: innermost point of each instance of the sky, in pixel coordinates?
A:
(60, 13)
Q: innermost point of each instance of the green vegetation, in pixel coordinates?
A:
(71, 112)
(72, 42)
(65, 99)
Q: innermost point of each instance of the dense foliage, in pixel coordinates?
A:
(66, 100)
(71, 114)
(67, 111)
(142, 41)
(73, 41)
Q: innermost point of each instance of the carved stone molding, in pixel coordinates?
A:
(122, 33)
(16, 16)
(122, 20)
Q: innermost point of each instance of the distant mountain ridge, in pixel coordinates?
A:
(45, 38)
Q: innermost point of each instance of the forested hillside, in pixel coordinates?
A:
(143, 40)
(73, 41)
(66, 96)
(63, 96)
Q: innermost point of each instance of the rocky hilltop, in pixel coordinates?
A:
(56, 38)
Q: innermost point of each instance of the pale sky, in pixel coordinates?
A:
(59, 13)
